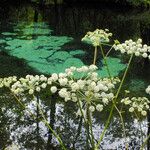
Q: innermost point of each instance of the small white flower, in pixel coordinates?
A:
(92, 108)
(75, 87)
(96, 89)
(44, 85)
(63, 81)
(105, 100)
(62, 75)
(148, 90)
(31, 91)
(53, 89)
(127, 102)
(144, 113)
(38, 89)
(145, 55)
(139, 109)
(99, 107)
(54, 77)
(131, 109)
(93, 67)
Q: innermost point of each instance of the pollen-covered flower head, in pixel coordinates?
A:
(137, 104)
(133, 47)
(97, 37)
(148, 90)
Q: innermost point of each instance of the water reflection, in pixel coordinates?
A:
(19, 127)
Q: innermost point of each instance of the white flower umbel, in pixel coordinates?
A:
(90, 89)
(137, 104)
(133, 47)
(97, 37)
(148, 90)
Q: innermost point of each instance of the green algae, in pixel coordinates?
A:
(43, 51)
(8, 38)
(61, 55)
(114, 65)
(2, 41)
(42, 42)
(8, 33)
(77, 52)
(36, 31)
(73, 62)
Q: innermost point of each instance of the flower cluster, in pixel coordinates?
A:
(131, 47)
(137, 104)
(97, 37)
(6, 82)
(89, 89)
(148, 90)
(29, 84)
(92, 90)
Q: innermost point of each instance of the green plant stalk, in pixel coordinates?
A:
(95, 55)
(23, 106)
(86, 123)
(58, 138)
(78, 131)
(123, 127)
(109, 51)
(105, 61)
(88, 138)
(89, 120)
(115, 99)
(44, 121)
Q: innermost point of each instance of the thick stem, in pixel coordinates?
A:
(91, 128)
(95, 55)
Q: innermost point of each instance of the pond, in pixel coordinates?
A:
(47, 40)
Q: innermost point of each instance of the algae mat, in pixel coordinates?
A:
(36, 44)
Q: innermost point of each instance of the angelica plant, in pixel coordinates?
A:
(133, 47)
(97, 38)
(89, 92)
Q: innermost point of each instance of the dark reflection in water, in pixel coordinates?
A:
(16, 126)
(19, 127)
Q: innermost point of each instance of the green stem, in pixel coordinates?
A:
(123, 126)
(115, 99)
(95, 55)
(109, 51)
(86, 123)
(45, 121)
(89, 119)
(78, 131)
